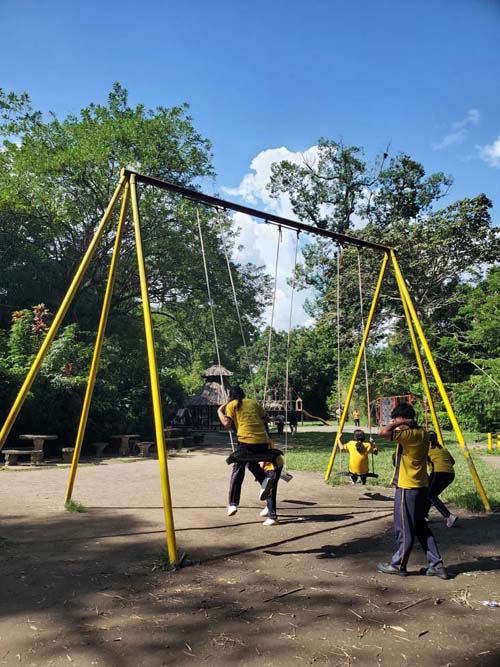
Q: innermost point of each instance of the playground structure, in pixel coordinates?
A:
(382, 406)
(127, 190)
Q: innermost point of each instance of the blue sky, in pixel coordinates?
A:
(422, 76)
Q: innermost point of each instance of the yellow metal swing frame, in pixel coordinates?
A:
(126, 189)
(415, 329)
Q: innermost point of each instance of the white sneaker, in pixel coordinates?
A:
(270, 522)
(232, 509)
(266, 488)
(264, 512)
(451, 520)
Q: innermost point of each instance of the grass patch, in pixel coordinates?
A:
(311, 451)
(73, 506)
(162, 561)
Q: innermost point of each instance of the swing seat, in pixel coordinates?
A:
(346, 474)
(239, 456)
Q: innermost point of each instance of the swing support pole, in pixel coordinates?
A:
(420, 363)
(357, 365)
(437, 377)
(98, 345)
(155, 383)
(63, 309)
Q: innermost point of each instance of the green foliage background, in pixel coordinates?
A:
(56, 179)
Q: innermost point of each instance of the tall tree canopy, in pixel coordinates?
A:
(393, 201)
(56, 179)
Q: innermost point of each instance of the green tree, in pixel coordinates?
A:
(440, 250)
(56, 179)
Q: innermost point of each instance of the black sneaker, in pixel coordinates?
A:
(387, 568)
(437, 571)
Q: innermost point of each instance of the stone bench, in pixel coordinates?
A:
(67, 454)
(174, 443)
(144, 448)
(11, 456)
(99, 448)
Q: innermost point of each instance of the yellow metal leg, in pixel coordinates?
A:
(63, 308)
(98, 345)
(356, 366)
(490, 442)
(421, 367)
(155, 384)
(439, 383)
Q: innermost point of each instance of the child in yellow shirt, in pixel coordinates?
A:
(442, 474)
(358, 455)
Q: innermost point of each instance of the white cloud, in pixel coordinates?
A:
(259, 245)
(459, 130)
(252, 188)
(259, 240)
(491, 153)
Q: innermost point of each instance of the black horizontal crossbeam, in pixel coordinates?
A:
(216, 202)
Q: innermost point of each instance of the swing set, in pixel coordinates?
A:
(126, 189)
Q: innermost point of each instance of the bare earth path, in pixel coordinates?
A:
(86, 589)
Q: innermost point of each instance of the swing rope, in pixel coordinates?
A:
(211, 305)
(339, 397)
(272, 315)
(368, 412)
(235, 299)
(287, 366)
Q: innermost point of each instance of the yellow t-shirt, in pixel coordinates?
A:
(247, 420)
(358, 461)
(356, 414)
(440, 459)
(411, 458)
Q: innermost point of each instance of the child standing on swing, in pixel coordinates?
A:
(442, 475)
(358, 455)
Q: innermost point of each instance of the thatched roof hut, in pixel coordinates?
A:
(212, 392)
(203, 405)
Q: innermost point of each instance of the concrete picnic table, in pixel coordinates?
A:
(125, 439)
(38, 442)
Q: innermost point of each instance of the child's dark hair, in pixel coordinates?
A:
(433, 440)
(236, 394)
(359, 435)
(404, 410)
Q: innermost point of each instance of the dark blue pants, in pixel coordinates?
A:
(238, 475)
(438, 482)
(238, 472)
(271, 500)
(354, 476)
(409, 523)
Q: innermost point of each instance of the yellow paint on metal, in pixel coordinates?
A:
(439, 382)
(155, 384)
(63, 308)
(98, 345)
(359, 359)
(420, 364)
(490, 442)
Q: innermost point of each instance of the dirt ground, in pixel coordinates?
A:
(87, 589)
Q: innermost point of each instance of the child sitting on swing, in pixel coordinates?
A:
(358, 455)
